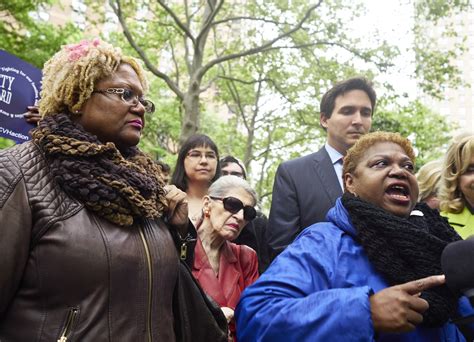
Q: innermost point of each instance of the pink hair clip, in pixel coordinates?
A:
(76, 51)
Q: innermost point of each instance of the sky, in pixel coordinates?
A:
(394, 20)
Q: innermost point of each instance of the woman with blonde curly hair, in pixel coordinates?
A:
(86, 220)
(457, 186)
(428, 177)
(371, 272)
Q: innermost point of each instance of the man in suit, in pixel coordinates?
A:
(306, 188)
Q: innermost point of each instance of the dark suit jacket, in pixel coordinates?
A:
(303, 192)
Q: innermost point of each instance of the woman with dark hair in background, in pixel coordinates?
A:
(196, 168)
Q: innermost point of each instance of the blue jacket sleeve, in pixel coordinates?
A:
(465, 309)
(296, 299)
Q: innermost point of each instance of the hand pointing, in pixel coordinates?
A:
(399, 308)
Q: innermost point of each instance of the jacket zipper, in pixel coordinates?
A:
(184, 246)
(150, 283)
(71, 318)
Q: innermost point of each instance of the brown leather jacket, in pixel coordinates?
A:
(69, 275)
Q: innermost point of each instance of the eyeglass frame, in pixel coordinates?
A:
(147, 104)
(208, 154)
(246, 208)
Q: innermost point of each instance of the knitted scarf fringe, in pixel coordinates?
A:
(120, 187)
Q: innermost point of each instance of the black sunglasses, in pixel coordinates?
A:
(234, 205)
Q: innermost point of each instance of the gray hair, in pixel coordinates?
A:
(224, 184)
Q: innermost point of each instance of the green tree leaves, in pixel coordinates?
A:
(24, 34)
(250, 74)
(428, 131)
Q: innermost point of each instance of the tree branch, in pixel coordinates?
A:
(208, 22)
(270, 149)
(263, 172)
(118, 12)
(208, 85)
(177, 21)
(186, 13)
(229, 78)
(265, 79)
(260, 48)
(236, 97)
(211, 5)
(186, 54)
(222, 21)
(337, 44)
(175, 62)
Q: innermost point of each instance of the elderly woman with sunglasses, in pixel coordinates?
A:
(86, 218)
(223, 268)
(253, 234)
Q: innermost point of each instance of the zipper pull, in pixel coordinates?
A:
(188, 239)
(71, 317)
(183, 253)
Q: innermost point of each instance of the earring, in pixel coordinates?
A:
(207, 213)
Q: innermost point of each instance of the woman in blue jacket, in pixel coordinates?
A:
(370, 273)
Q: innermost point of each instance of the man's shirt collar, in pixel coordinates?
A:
(333, 153)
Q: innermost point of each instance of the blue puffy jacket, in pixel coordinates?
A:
(318, 290)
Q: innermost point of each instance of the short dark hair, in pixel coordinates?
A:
(231, 159)
(356, 83)
(166, 170)
(179, 177)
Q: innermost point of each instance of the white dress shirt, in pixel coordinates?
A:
(336, 159)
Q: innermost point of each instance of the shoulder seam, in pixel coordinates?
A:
(9, 189)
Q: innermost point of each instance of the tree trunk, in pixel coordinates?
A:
(249, 147)
(192, 113)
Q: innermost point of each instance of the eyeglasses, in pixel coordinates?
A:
(234, 205)
(232, 173)
(128, 96)
(198, 155)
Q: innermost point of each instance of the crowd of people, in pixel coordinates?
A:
(100, 243)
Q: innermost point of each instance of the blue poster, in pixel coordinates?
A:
(20, 85)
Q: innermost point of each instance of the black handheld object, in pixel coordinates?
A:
(457, 263)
